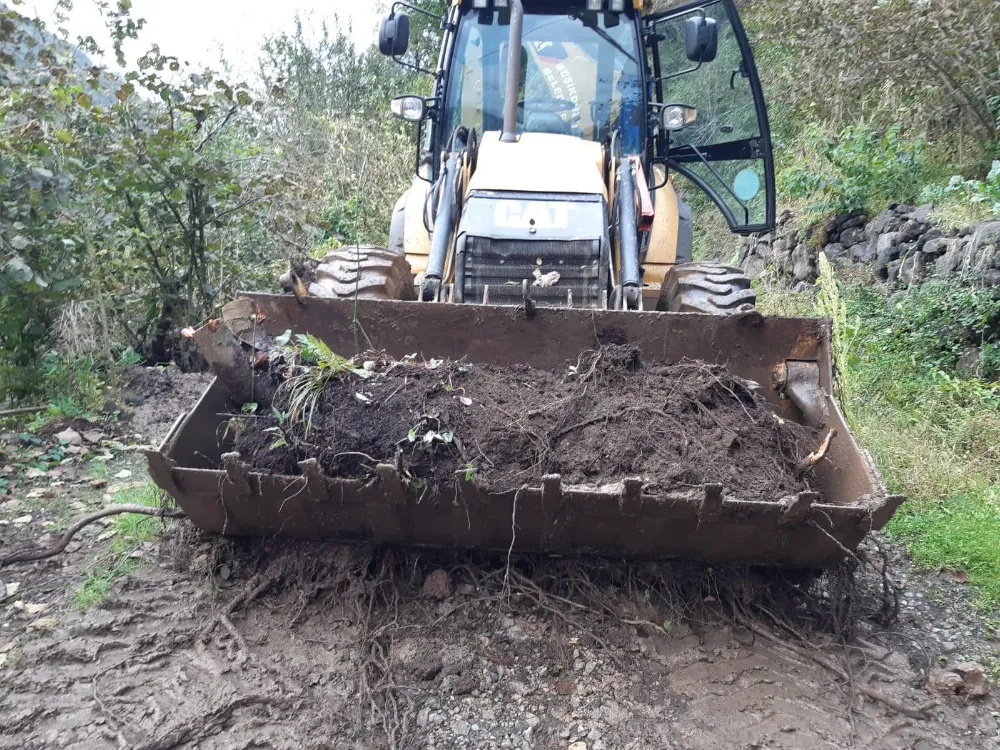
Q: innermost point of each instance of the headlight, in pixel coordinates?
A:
(410, 108)
(678, 116)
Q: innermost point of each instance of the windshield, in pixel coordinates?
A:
(579, 75)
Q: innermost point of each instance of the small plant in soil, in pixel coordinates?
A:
(314, 365)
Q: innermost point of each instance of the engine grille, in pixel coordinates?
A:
(504, 264)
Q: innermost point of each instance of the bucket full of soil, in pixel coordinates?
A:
(611, 452)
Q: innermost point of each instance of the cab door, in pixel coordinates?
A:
(726, 151)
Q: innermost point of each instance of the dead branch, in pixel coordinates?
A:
(142, 510)
(22, 410)
(818, 455)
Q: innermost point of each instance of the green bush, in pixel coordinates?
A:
(984, 193)
(932, 325)
(858, 169)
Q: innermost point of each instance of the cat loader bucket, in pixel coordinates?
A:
(788, 357)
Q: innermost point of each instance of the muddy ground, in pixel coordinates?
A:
(334, 647)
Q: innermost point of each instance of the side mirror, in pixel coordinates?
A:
(701, 38)
(394, 35)
(409, 107)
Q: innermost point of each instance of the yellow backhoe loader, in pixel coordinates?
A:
(543, 216)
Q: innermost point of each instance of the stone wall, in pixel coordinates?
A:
(902, 243)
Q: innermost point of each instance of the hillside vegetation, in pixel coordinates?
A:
(136, 202)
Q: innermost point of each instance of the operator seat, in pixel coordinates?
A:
(546, 122)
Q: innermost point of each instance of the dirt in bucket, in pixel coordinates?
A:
(605, 418)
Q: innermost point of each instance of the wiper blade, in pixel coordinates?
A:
(606, 37)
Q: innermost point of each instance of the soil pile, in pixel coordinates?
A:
(606, 418)
(159, 395)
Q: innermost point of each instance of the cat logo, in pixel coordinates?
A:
(531, 215)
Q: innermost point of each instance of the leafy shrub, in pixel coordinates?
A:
(858, 169)
(933, 324)
(980, 192)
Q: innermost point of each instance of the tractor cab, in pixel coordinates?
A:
(540, 106)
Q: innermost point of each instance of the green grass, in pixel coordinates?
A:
(130, 531)
(935, 436)
(99, 470)
(961, 532)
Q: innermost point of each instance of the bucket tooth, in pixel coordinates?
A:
(796, 508)
(161, 470)
(236, 474)
(392, 484)
(884, 509)
(552, 492)
(711, 503)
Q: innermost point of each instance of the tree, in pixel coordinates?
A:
(931, 64)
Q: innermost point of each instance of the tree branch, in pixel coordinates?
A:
(142, 510)
(234, 209)
(217, 129)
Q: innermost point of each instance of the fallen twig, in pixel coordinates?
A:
(22, 410)
(142, 510)
(818, 455)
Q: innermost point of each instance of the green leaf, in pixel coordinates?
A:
(413, 435)
(20, 242)
(448, 437)
(250, 408)
(18, 270)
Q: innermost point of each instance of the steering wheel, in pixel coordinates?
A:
(547, 105)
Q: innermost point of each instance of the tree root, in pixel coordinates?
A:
(920, 712)
(816, 456)
(143, 510)
(247, 596)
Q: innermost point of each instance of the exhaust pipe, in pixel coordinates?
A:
(509, 134)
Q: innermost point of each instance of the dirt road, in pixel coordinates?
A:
(333, 647)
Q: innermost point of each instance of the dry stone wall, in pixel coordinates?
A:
(902, 243)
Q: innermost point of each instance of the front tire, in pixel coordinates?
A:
(710, 288)
(365, 272)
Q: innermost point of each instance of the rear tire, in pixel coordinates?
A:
(365, 272)
(711, 288)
